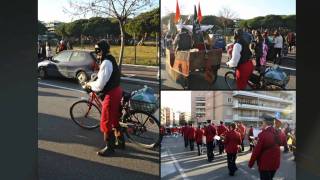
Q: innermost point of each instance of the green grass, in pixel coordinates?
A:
(146, 55)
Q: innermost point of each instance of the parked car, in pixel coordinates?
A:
(220, 42)
(70, 64)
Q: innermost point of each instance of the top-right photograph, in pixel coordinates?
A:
(228, 45)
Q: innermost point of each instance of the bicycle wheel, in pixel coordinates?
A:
(230, 79)
(143, 129)
(85, 114)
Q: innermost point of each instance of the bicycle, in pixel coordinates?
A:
(256, 81)
(140, 126)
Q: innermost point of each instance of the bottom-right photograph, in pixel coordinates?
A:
(245, 135)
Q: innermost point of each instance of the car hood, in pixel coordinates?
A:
(44, 63)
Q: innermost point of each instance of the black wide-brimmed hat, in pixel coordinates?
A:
(268, 118)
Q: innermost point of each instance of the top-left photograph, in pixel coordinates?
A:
(98, 89)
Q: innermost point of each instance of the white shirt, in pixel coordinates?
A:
(278, 42)
(103, 75)
(237, 48)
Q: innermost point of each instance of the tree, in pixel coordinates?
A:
(118, 9)
(61, 30)
(41, 28)
(226, 16)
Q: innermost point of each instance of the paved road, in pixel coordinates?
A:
(140, 72)
(65, 151)
(180, 163)
(288, 65)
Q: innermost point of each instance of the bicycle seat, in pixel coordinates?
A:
(126, 95)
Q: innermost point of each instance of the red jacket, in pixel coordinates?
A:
(210, 131)
(231, 141)
(191, 133)
(242, 130)
(221, 129)
(184, 131)
(199, 135)
(266, 152)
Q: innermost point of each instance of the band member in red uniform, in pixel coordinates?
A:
(185, 135)
(232, 143)
(199, 135)
(250, 136)
(210, 132)
(221, 131)
(267, 150)
(191, 136)
(242, 130)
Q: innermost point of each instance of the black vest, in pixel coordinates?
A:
(245, 52)
(114, 80)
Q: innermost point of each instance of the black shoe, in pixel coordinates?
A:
(231, 173)
(106, 151)
(120, 143)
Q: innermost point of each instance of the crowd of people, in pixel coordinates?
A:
(230, 139)
(45, 51)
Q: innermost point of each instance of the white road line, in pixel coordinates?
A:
(135, 65)
(139, 80)
(177, 165)
(248, 174)
(61, 87)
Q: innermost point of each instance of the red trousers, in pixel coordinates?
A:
(110, 114)
(243, 73)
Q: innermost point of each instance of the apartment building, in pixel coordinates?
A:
(245, 106)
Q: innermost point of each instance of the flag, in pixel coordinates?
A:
(199, 14)
(169, 25)
(177, 13)
(196, 25)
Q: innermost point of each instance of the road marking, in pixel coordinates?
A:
(248, 174)
(61, 87)
(140, 80)
(135, 65)
(177, 165)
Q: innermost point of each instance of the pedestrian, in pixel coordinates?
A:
(241, 59)
(62, 46)
(267, 150)
(48, 50)
(251, 138)
(257, 48)
(191, 136)
(69, 45)
(198, 137)
(108, 84)
(287, 131)
(39, 49)
(291, 40)
(210, 132)
(182, 41)
(221, 129)
(185, 134)
(278, 45)
(43, 50)
(232, 143)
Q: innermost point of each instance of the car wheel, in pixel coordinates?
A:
(81, 77)
(42, 73)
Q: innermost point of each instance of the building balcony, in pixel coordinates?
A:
(237, 105)
(255, 118)
(261, 96)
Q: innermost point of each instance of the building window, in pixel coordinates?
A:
(229, 100)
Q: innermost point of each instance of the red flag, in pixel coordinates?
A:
(177, 13)
(199, 14)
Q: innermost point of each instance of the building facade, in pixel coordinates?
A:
(245, 106)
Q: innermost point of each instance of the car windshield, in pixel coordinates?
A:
(63, 56)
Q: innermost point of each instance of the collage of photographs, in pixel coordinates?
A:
(166, 89)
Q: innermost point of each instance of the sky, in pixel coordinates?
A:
(52, 10)
(245, 9)
(177, 100)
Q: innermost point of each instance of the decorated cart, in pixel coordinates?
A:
(183, 65)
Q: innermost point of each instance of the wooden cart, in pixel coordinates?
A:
(181, 65)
